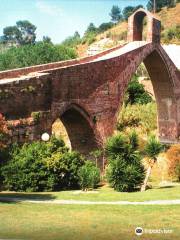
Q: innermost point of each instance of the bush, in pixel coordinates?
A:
(41, 166)
(39, 53)
(125, 171)
(89, 176)
(63, 168)
(173, 156)
(138, 116)
(171, 34)
(136, 93)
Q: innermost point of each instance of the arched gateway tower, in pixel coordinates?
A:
(87, 93)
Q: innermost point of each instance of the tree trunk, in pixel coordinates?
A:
(148, 173)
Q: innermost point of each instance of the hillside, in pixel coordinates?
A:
(117, 34)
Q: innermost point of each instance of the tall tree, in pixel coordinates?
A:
(115, 14)
(160, 4)
(152, 150)
(11, 34)
(27, 31)
(22, 33)
(127, 11)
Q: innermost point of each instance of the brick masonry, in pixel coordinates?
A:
(87, 97)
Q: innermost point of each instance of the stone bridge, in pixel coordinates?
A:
(87, 93)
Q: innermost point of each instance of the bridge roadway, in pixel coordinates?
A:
(114, 53)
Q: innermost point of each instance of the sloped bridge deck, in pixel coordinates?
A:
(40, 70)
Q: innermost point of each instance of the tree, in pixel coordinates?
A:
(160, 4)
(127, 11)
(91, 29)
(115, 14)
(47, 39)
(125, 171)
(152, 150)
(11, 34)
(20, 34)
(105, 26)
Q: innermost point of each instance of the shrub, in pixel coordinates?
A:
(89, 175)
(3, 132)
(40, 53)
(125, 171)
(138, 116)
(41, 166)
(136, 93)
(64, 168)
(173, 156)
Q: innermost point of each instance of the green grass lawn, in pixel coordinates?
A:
(76, 222)
(104, 193)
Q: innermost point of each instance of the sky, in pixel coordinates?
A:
(59, 19)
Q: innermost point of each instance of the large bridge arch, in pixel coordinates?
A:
(162, 73)
(79, 127)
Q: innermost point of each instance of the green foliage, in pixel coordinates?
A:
(136, 93)
(89, 175)
(22, 33)
(129, 10)
(105, 26)
(125, 171)
(138, 116)
(72, 41)
(115, 14)
(39, 53)
(64, 167)
(41, 166)
(170, 34)
(160, 4)
(153, 147)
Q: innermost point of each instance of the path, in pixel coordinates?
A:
(77, 202)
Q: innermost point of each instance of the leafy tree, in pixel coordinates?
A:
(173, 156)
(27, 31)
(105, 26)
(125, 171)
(129, 10)
(91, 29)
(11, 34)
(115, 14)
(89, 176)
(47, 39)
(160, 4)
(20, 34)
(152, 150)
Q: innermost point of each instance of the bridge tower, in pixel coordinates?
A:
(135, 27)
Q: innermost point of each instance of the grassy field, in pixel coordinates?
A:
(36, 221)
(104, 193)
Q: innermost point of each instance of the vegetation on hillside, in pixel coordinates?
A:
(39, 53)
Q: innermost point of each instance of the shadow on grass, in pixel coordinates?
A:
(166, 187)
(14, 197)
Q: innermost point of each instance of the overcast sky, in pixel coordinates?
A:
(59, 19)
